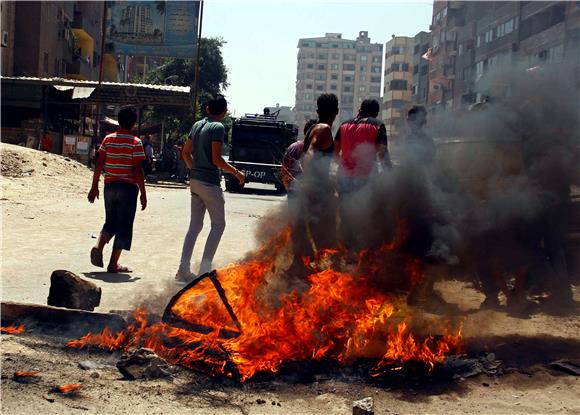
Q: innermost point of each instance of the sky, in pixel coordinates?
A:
(262, 38)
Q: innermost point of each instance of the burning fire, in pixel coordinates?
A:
(68, 388)
(24, 376)
(12, 329)
(338, 316)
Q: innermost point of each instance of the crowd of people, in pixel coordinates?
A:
(319, 202)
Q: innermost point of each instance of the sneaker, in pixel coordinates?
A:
(186, 277)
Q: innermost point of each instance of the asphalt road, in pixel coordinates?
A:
(42, 236)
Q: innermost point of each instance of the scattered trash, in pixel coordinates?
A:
(93, 235)
(68, 388)
(143, 363)
(465, 367)
(364, 406)
(90, 365)
(260, 401)
(26, 377)
(572, 368)
(49, 398)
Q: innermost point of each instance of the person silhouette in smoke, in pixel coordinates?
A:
(314, 227)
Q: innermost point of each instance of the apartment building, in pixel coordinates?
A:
(54, 39)
(351, 69)
(397, 93)
(420, 87)
(471, 38)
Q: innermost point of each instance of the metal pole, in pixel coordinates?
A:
(196, 80)
(103, 36)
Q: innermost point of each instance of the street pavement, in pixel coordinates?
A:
(42, 236)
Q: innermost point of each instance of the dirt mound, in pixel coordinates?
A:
(25, 172)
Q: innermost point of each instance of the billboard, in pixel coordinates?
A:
(153, 28)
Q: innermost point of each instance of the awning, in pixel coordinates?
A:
(114, 93)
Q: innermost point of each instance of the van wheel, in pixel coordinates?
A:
(233, 185)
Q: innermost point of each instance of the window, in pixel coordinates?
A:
(346, 88)
(460, 49)
(307, 96)
(363, 58)
(362, 89)
(489, 36)
(348, 67)
(346, 112)
(415, 69)
(478, 42)
(416, 49)
(375, 89)
(308, 86)
(348, 57)
(322, 56)
(335, 56)
(309, 75)
(479, 69)
(334, 66)
(363, 68)
(396, 50)
(375, 79)
(320, 77)
(333, 87)
(424, 69)
(307, 107)
(321, 67)
(414, 90)
(320, 87)
(405, 67)
(362, 77)
(310, 66)
(307, 44)
(376, 69)
(348, 78)
(398, 85)
(334, 77)
(395, 67)
(376, 59)
(346, 99)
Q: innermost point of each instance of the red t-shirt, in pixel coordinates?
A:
(121, 150)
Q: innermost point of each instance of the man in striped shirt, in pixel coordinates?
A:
(120, 157)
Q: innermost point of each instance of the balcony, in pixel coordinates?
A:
(80, 69)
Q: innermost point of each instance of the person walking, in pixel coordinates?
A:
(120, 156)
(202, 153)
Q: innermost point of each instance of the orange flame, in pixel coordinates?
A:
(68, 388)
(22, 375)
(333, 315)
(12, 329)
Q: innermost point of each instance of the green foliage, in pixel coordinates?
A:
(212, 80)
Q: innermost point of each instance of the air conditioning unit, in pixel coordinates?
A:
(4, 38)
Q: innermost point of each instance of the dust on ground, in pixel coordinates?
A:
(33, 180)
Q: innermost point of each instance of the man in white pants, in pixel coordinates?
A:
(202, 154)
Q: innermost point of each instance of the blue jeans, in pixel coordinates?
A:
(204, 196)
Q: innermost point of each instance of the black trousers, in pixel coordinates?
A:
(120, 208)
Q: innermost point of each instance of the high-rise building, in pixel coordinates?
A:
(397, 97)
(420, 87)
(351, 69)
(471, 38)
(55, 39)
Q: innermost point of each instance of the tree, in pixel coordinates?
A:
(213, 76)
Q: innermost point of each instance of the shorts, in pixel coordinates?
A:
(120, 208)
